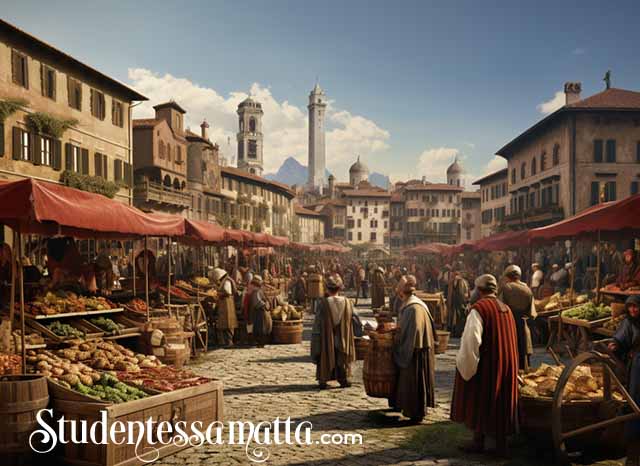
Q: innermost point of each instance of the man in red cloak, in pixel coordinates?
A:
(485, 394)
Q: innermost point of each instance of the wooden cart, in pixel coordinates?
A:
(582, 424)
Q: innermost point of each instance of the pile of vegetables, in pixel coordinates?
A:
(559, 301)
(81, 378)
(62, 302)
(285, 312)
(588, 312)
(177, 292)
(614, 323)
(65, 330)
(108, 355)
(137, 305)
(30, 339)
(106, 324)
(201, 281)
(10, 364)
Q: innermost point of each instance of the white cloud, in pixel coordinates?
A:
(285, 126)
(552, 105)
(495, 164)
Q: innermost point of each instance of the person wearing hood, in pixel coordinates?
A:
(519, 297)
(227, 321)
(333, 347)
(377, 288)
(413, 355)
(630, 273)
(258, 315)
(459, 301)
(626, 345)
(485, 392)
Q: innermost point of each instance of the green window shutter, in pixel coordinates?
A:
(117, 170)
(17, 143)
(97, 163)
(105, 170)
(68, 156)
(595, 192)
(597, 150)
(36, 153)
(84, 169)
(57, 154)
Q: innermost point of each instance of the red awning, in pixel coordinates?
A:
(430, 248)
(204, 231)
(503, 241)
(617, 216)
(31, 206)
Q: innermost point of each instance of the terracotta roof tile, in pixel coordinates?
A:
(493, 176)
(366, 193)
(610, 98)
(146, 122)
(303, 211)
(433, 187)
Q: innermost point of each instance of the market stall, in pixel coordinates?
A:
(85, 368)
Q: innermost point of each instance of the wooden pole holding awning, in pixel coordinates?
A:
(598, 269)
(22, 325)
(14, 263)
(133, 268)
(146, 274)
(169, 271)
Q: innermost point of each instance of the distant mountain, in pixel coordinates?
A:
(380, 180)
(293, 172)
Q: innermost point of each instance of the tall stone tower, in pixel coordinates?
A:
(250, 136)
(317, 157)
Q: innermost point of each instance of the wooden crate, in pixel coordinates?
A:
(90, 330)
(584, 323)
(201, 403)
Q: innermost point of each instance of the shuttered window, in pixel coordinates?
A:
(97, 104)
(74, 92)
(117, 170)
(22, 145)
(611, 151)
(100, 165)
(595, 192)
(75, 159)
(597, 151)
(610, 191)
(19, 69)
(45, 149)
(117, 113)
(48, 81)
(128, 175)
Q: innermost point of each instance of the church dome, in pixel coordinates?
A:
(358, 167)
(249, 102)
(455, 168)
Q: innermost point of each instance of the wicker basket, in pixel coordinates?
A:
(362, 347)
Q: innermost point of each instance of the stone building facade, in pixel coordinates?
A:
(583, 153)
(494, 201)
(310, 225)
(50, 85)
(470, 221)
(160, 161)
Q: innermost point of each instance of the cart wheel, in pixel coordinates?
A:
(609, 376)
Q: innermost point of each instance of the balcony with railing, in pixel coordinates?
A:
(535, 217)
(148, 191)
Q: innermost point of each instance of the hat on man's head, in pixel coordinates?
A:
(334, 282)
(487, 283)
(513, 270)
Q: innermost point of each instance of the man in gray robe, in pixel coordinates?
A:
(259, 315)
(414, 355)
(332, 342)
(519, 297)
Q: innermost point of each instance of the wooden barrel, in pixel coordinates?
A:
(443, 341)
(288, 332)
(362, 347)
(315, 286)
(21, 397)
(379, 371)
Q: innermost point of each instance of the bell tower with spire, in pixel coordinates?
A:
(317, 157)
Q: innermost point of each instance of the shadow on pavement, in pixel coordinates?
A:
(253, 389)
(285, 360)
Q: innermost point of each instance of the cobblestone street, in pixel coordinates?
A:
(262, 384)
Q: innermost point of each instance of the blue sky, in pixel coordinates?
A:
(411, 82)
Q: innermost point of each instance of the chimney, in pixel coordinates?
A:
(572, 92)
(204, 127)
(331, 180)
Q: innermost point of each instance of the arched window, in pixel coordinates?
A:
(513, 176)
(523, 170)
(252, 125)
(534, 167)
(543, 161)
(167, 181)
(176, 183)
(169, 152)
(241, 124)
(161, 149)
(556, 155)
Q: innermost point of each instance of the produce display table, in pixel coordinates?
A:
(620, 293)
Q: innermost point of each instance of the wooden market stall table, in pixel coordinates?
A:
(624, 294)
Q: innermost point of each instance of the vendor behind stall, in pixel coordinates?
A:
(65, 265)
(140, 269)
(626, 343)
(630, 273)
